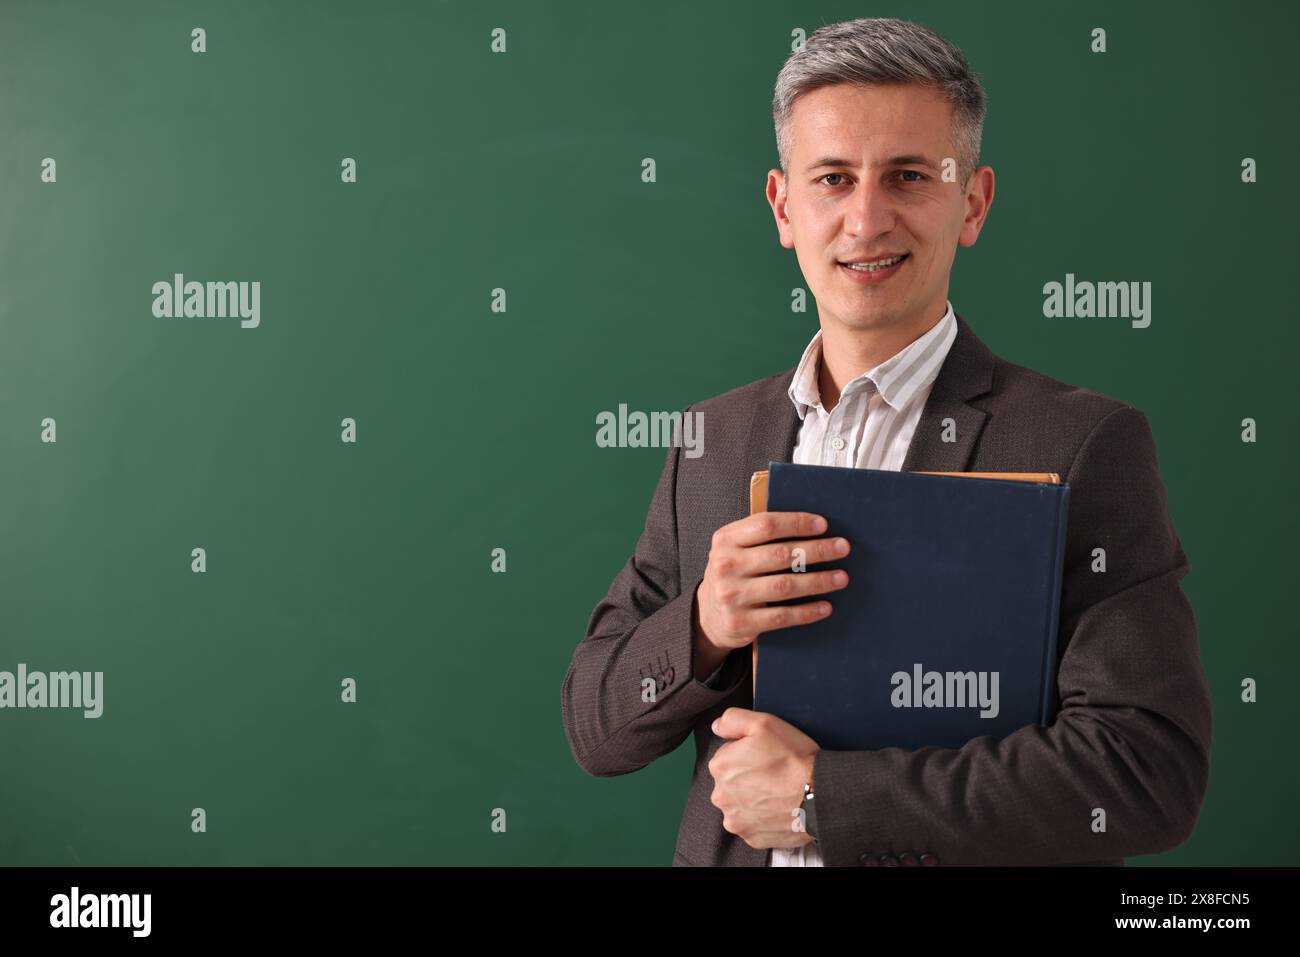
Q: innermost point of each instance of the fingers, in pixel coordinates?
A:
(781, 556)
(767, 588)
(762, 527)
(749, 621)
(747, 570)
(787, 616)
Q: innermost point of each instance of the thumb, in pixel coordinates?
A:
(734, 723)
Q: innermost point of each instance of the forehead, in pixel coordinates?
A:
(851, 118)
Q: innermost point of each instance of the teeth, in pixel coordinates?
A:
(873, 266)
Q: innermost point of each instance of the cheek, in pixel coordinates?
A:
(812, 257)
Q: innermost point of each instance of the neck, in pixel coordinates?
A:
(848, 353)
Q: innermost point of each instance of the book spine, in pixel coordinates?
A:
(1054, 615)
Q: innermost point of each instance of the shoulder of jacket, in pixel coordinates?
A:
(1019, 386)
(742, 396)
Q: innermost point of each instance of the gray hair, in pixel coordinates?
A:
(880, 51)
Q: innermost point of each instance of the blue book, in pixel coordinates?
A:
(947, 630)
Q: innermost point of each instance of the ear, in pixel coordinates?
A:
(979, 197)
(776, 184)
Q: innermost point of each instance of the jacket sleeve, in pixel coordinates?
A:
(1131, 738)
(643, 628)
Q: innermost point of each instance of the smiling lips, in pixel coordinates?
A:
(874, 270)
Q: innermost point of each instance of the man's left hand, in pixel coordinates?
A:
(758, 777)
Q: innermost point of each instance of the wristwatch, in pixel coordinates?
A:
(809, 813)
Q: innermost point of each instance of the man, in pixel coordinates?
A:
(878, 126)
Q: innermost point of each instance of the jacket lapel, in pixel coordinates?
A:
(967, 372)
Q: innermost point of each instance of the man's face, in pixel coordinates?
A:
(865, 181)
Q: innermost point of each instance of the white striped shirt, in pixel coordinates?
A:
(871, 427)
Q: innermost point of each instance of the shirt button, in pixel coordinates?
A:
(837, 443)
(929, 860)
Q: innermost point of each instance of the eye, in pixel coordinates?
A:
(920, 177)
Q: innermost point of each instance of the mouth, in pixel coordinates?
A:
(874, 272)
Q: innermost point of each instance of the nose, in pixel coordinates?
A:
(870, 211)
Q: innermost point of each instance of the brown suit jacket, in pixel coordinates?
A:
(1132, 736)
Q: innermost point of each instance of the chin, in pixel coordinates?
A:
(860, 318)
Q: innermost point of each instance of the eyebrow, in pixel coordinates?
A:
(909, 159)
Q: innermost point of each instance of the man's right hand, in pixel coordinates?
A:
(731, 601)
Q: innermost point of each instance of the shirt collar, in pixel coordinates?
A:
(898, 378)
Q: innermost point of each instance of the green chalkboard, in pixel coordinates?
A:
(513, 177)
